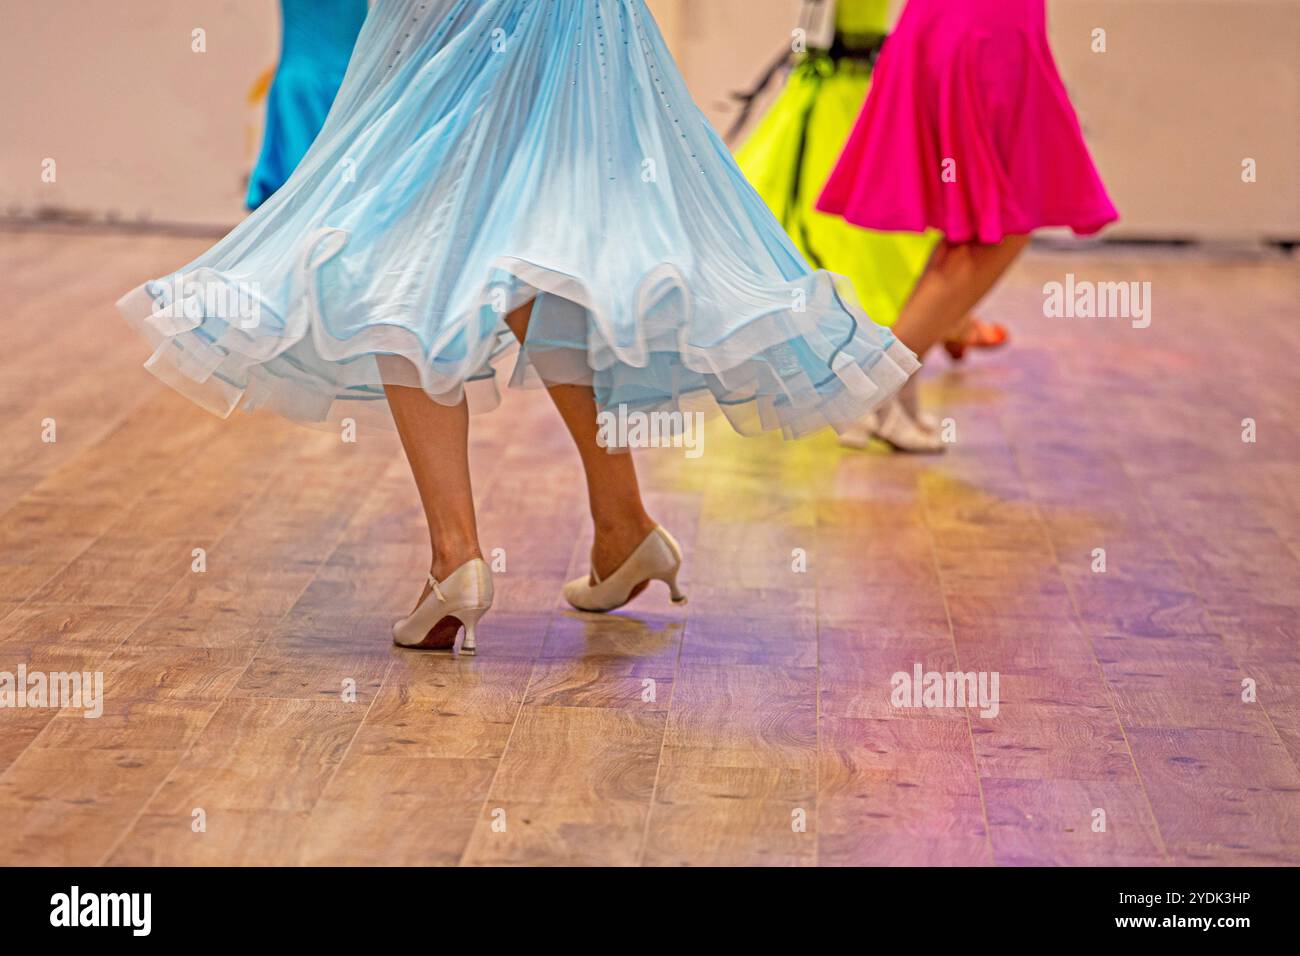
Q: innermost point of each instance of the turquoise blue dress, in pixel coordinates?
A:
(482, 154)
(317, 37)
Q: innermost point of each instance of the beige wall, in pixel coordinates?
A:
(141, 128)
(1186, 91)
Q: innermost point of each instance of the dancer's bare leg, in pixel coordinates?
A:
(613, 494)
(436, 440)
(957, 276)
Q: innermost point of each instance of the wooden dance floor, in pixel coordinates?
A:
(1148, 714)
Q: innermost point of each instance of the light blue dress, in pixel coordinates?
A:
(484, 153)
(316, 41)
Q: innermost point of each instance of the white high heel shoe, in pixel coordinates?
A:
(910, 398)
(461, 598)
(657, 558)
(892, 425)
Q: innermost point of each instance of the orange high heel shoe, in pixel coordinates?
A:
(977, 334)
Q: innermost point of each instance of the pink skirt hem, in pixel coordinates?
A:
(974, 137)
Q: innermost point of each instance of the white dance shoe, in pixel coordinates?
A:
(909, 396)
(657, 558)
(895, 427)
(458, 600)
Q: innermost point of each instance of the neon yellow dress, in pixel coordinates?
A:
(791, 153)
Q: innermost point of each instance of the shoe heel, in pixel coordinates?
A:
(670, 579)
(673, 553)
(470, 618)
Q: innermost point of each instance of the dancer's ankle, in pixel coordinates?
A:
(450, 556)
(616, 538)
(623, 524)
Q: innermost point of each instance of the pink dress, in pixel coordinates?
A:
(968, 130)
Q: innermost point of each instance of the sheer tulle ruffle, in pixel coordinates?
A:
(485, 154)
